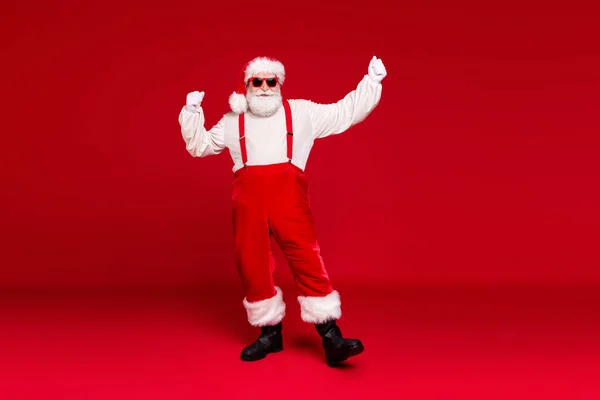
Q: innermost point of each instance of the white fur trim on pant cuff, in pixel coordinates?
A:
(266, 312)
(318, 310)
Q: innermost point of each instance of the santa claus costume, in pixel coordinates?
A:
(269, 139)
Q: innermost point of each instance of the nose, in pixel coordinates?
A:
(264, 85)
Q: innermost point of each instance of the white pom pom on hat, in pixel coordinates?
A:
(266, 65)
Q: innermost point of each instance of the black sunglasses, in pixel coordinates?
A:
(257, 82)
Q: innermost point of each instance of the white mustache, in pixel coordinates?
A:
(264, 92)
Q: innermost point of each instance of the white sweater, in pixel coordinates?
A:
(266, 136)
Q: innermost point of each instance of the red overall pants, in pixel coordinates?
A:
(272, 201)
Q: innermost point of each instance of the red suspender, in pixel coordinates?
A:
(290, 132)
(289, 135)
(243, 140)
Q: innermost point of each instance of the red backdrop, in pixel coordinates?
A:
(480, 163)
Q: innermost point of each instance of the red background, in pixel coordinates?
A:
(460, 221)
(479, 165)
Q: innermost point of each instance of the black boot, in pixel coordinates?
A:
(269, 341)
(337, 348)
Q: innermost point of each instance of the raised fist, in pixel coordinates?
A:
(194, 99)
(377, 70)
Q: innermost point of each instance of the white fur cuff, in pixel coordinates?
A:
(318, 310)
(266, 312)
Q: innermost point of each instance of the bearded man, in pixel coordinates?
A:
(269, 140)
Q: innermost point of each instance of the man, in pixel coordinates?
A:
(269, 140)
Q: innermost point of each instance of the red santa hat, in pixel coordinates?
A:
(237, 100)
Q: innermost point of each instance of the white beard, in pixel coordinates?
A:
(264, 106)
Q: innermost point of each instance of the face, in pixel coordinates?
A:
(264, 89)
(263, 100)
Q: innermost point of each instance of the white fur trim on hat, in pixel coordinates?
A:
(266, 312)
(318, 310)
(265, 65)
(238, 103)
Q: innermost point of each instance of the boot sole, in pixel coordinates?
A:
(275, 350)
(332, 362)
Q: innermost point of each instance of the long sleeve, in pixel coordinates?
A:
(329, 119)
(200, 142)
